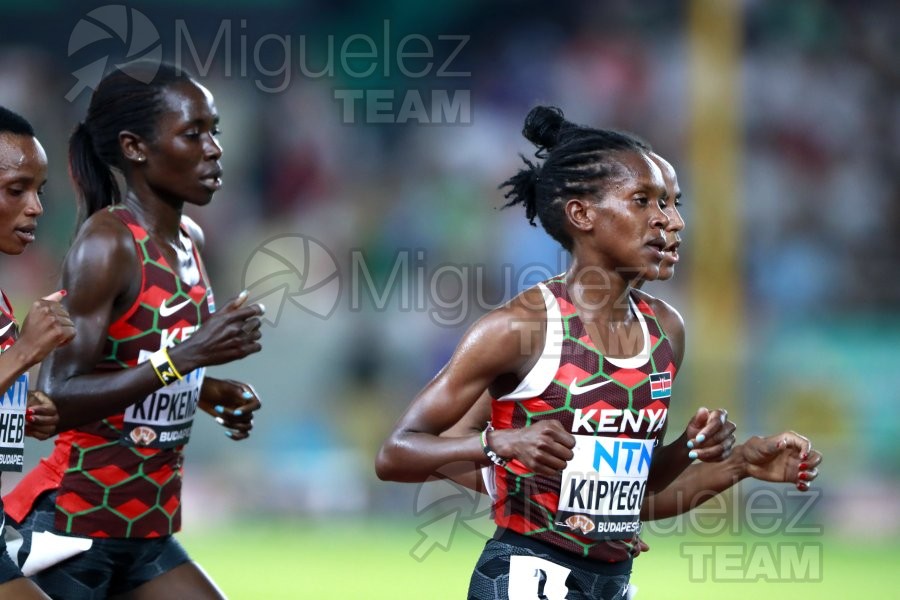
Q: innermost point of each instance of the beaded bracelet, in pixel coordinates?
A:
(489, 452)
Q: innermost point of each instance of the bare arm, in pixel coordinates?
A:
(782, 458)
(99, 275)
(472, 423)
(415, 451)
(492, 348)
(694, 486)
(46, 327)
(102, 276)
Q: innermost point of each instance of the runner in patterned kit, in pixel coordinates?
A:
(569, 366)
(128, 388)
(23, 173)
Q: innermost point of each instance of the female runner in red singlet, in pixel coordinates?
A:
(147, 327)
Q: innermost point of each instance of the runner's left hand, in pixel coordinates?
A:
(41, 416)
(786, 457)
(232, 403)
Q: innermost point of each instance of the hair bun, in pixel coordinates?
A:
(543, 126)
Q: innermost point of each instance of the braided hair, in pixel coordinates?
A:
(576, 161)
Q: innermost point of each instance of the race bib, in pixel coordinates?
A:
(534, 578)
(164, 418)
(603, 487)
(12, 424)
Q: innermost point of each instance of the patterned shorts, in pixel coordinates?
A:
(111, 566)
(8, 569)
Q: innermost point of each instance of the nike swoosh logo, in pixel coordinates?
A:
(5, 329)
(165, 310)
(576, 389)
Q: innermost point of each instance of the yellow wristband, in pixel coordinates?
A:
(164, 368)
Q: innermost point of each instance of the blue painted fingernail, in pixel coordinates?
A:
(692, 454)
(219, 409)
(229, 434)
(220, 420)
(690, 444)
(238, 412)
(701, 438)
(247, 394)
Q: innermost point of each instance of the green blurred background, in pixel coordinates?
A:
(781, 119)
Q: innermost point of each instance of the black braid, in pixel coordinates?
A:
(523, 190)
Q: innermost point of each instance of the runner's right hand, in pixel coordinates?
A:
(544, 447)
(229, 334)
(46, 327)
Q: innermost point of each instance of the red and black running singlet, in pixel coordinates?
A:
(615, 408)
(121, 476)
(13, 400)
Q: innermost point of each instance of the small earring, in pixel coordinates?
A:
(141, 158)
